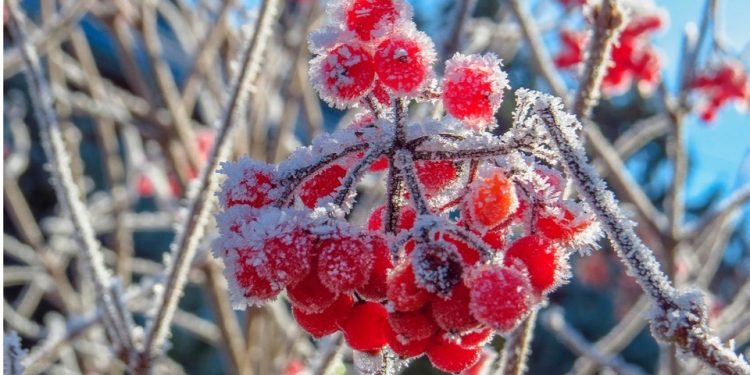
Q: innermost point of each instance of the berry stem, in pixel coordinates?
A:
(410, 174)
(355, 173)
(516, 348)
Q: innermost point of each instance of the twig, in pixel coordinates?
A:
(554, 320)
(516, 348)
(680, 317)
(67, 191)
(721, 212)
(191, 230)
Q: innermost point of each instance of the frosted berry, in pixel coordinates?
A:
(248, 182)
(365, 328)
(404, 348)
(538, 256)
(310, 295)
(450, 356)
(327, 321)
(376, 286)
(413, 325)
(452, 314)
(403, 62)
(434, 175)
(475, 338)
(287, 255)
(406, 219)
(403, 291)
(321, 185)
(365, 16)
(253, 286)
(437, 267)
(499, 296)
(345, 262)
(491, 201)
(473, 88)
(343, 75)
(565, 227)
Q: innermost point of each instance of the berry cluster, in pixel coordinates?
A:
(473, 235)
(633, 57)
(727, 82)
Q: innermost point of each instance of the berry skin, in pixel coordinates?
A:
(437, 267)
(499, 296)
(565, 228)
(310, 295)
(412, 325)
(287, 255)
(406, 349)
(377, 285)
(365, 328)
(254, 287)
(476, 338)
(450, 356)
(403, 291)
(345, 262)
(452, 314)
(321, 185)
(343, 75)
(403, 62)
(491, 201)
(365, 16)
(327, 321)
(538, 256)
(434, 175)
(473, 89)
(248, 183)
(406, 219)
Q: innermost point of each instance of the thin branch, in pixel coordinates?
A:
(721, 212)
(517, 347)
(190, 232)
(66, 189)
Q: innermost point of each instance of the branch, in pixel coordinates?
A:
(68, 194)
(190, 232)
(516, 348)
(609, 22)
(679, 317)
(723, 211)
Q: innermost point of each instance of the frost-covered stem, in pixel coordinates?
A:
(231, 334)
(13, 354)
(68, 194)
(404, 159)
(191, 230)
(679, 318)
(395, 183)
(554, 321)
(516, 348)
(355, 173)
(330, 356)
(618, 337)
(469, 154)
(540, 53)
(723, 210)
(609, 21)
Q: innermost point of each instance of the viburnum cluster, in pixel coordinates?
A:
(634, 59)
(474, 233)
(724, 83)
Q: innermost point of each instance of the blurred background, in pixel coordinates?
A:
(137, 88)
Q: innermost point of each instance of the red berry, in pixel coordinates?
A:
(473, 88)
(406, 219)
(437, 267)
(253, 286)
(365, 16)
(310, 295)
(491, 201)
(343, 75)
(434, 175)
(412, 325)
(538, 257)
(451, 357)
(499, 296)
(565, 227)
(321, 185)
(377, 285)
(327, 321)
(475, 338)
(249, 183)
(403, 291)
(345, 262)
(287, 255)
(406, 349)
(403, 62)
(365, 328)
(452, 314)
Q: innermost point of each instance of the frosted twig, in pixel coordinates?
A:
(66, 189)
(554, 320)
(680, 317)
(329, 356)
(609, 21)
(190, 232)
(13, 354)
(517, 347)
